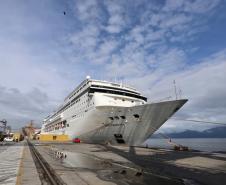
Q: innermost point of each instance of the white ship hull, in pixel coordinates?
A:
(96, 127)
(101, 112)
(132, 131)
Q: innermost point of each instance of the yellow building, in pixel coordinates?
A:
(53, 137)
(17, 137)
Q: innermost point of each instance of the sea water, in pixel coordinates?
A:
(202, 144)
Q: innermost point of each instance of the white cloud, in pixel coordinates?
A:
(116, 20)
(175, 20)
(18, 107)
(171, 5)
(203, 85)
(107, 47)
(200, 6)
(85, 40)
(196, 6)
(86, 10)
(147, 44)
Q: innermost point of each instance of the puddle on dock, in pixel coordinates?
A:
(107, 172)
(79, 160)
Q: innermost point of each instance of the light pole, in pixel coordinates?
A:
(4, 123)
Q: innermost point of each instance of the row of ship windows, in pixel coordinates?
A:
(80, 114)
(110, 90)
(78, 90)
(75, 102)
(80, 110)
(113, 88)
(132, 101)
(57, 126)
(122, 117)
(79, 105)
(81, 88)
(93, 90)
(69, 105)
(83, 105)
(86, 101)
(64, 124)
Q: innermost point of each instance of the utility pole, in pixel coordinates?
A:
(4, 123)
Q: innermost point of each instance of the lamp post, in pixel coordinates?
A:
(4, 123)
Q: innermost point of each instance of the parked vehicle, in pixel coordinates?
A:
(8, 139)
(76, 140)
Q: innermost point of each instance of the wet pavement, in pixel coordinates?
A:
(90, 164)
(10, 158)
(132, 165)
(80, 160)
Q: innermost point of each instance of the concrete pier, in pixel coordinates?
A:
(28, 173)
(92, 164)
(10, 159)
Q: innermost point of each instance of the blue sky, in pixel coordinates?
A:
(147, 44)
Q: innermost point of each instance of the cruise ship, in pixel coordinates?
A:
(105, 112)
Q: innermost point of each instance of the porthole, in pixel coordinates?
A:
(123, 117)
(116, 117)
(136, 116)
(111, 118)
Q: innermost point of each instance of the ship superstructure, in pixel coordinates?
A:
(100, 111)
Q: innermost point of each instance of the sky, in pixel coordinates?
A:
(45, 54)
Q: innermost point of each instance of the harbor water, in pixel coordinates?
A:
(201, 144)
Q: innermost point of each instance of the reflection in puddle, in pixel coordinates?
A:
(79, 160)
(108, 172)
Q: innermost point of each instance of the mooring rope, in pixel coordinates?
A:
(199, 121)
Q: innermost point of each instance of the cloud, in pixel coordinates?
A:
(86, 10)
(203, 85)
(175, 21)
(147, 52)
(116, 21)
(199, 6)
(172, 5)
(30, 64)
(154, 28)
(147, 44)
(19, 107)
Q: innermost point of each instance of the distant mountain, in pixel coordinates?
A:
(217, 132)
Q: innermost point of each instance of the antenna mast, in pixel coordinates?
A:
(175, 88)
